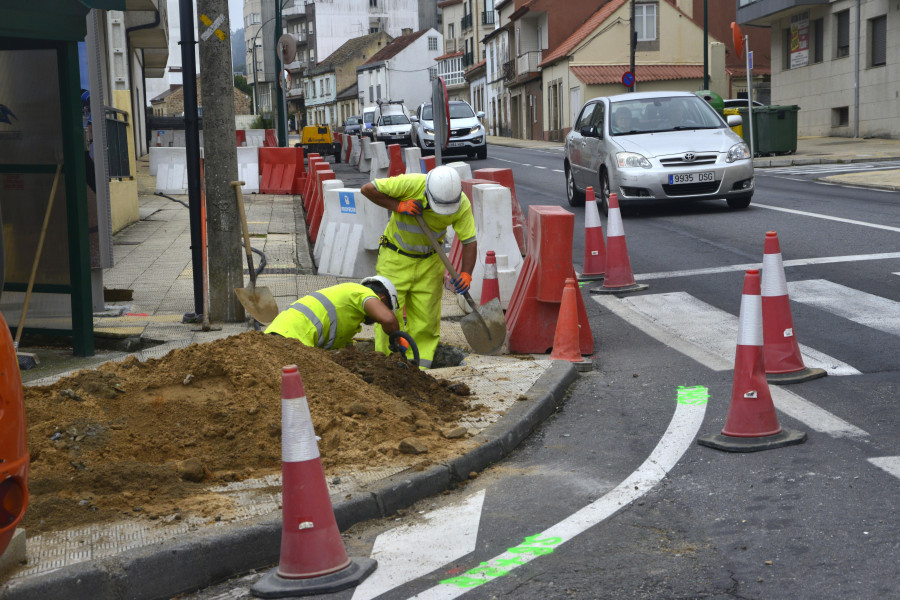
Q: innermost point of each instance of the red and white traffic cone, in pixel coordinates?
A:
(566, 339)
(619, 277)
(784, 363)
(313, 559)
(751, 424)
(490, 284)
(594, 249)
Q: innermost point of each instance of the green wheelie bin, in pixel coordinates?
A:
(774, 129)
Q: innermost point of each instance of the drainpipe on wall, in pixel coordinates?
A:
(856, 74)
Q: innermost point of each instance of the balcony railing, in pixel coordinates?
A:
(117, 142)
(509, 71)
(528, 62)
(449, 46)
(466, 22)
(468, 60)
(487, 17)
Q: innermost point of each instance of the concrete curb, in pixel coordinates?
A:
(170, 568)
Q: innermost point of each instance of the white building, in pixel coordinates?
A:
(402, 70)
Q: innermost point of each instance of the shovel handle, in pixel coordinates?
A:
(440, 252)
(244, 229)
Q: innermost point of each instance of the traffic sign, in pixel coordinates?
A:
(750, 60)
(628, 79)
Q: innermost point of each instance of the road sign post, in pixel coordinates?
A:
(440, 111)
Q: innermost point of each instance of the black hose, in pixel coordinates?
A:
(262, 261)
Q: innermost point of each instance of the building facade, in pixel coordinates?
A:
(401, 71)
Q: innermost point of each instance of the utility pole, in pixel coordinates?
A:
(226, 257)
(279, 98)
(705, 47)
(192, 147)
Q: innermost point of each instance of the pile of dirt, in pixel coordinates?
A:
(147, 439)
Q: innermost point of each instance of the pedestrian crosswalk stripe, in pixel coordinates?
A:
(857, 306)
(829, 168)
(891, 464)
(812, 416)
(709, 333)
(828, 217)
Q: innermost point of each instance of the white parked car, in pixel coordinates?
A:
(656, 146)
(467, 134)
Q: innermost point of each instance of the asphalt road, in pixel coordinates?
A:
(613, 498)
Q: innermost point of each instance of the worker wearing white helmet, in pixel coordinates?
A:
(406, 255)
(330, 317)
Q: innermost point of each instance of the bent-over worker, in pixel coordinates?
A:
(406, 256)
(330, 317)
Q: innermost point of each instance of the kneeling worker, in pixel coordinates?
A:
(406, 255)
(330, 317)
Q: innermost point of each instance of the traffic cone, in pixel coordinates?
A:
(751, 424)
(594, 249)
(313, 559)
(566, 344)
(490, 284)
(784, 363)
(619, 277)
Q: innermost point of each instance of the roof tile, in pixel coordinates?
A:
(602, 74)
(582, 32)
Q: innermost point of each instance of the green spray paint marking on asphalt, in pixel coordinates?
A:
(533, 545)
(692, 395)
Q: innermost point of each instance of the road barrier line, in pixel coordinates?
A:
(828, 217)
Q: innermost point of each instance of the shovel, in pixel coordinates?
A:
(259, 302)
(486, 330)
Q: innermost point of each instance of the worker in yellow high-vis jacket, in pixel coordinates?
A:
(330, 317)
(406, 256)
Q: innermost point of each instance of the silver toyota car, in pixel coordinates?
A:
(656, 146)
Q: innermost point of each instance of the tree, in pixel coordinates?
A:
(240, 82)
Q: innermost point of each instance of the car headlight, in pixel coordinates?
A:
(475, 129)
(737, 152)
(429, 130)
(632, 160)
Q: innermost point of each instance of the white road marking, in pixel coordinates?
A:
(860, 307)
(800, 262)
(811, 415)
(558, 171)
(891, 464)
(411, 551)
(829, 217)
(539, 167)
(677, 438)
(704, 332)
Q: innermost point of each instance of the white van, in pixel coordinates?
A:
(392, 125)
(369, 116)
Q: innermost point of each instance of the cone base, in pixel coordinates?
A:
(800, 376)
(272, 585)
(728, 443)
(591, 276)
(634, 287)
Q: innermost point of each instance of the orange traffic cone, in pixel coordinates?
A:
(313, 559)
(619, 277)
(784, 363)
(566, 338)
(490, 284)
(594, 250)
(751, 424)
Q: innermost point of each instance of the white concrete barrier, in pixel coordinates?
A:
(255, 137)
(365, 155)
(171, 169)
(355, 149)
(330, 218)
(345, 251)
(492, 209)
(463, 168)
(381, 162)
(412, 157)
(248, 168)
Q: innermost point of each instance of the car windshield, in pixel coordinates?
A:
(654, 115)
(395, 120)
(369, 117)
(353, 121)
(458, 110)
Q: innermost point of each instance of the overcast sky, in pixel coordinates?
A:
(236, 13)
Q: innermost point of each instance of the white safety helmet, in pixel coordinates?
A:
(443, 188)
(388, 285)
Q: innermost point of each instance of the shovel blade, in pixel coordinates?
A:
(259, 302)
(485, 330)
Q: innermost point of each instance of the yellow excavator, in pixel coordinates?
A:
(318, 139)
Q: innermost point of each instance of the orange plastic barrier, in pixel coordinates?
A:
(279, 167)
(307, 185)
(313, 185)
(505, 178)
(14, 460)
(318, 204)
(533, 311)
(427, 163)
(270, 141)
(349, 139)
(396, 167)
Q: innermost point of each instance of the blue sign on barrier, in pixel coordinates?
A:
(348, 203)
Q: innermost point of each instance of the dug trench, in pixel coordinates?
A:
(146, 440)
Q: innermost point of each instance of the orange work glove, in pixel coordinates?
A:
(462, 283)
(410, 207)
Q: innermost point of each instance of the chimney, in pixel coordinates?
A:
(406, 31)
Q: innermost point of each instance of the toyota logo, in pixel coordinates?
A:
(689, 157)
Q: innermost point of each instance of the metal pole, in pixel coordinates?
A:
(856, 75)
(705, 47)
(255, 79)
(749, 92)
(279, 104)
(192, 146)
(633, 49)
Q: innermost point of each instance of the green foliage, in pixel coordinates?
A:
(240, 82)
(263, 122)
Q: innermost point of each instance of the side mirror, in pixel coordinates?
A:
(414, 119)
(734, 120)
(588, 131)
(480, 114)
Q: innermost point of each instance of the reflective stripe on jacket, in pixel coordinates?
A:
(328, 318)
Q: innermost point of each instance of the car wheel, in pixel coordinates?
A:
(604, 191)
(482, 153)
(573, 194)
(739, 202)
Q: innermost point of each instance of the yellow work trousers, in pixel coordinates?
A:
(419, 283)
